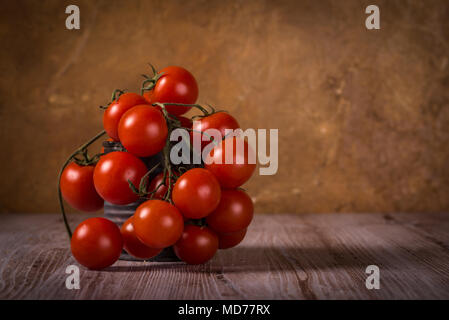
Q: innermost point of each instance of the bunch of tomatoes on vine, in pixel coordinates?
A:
(194, 208)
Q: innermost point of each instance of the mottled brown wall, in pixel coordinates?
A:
(363, 115)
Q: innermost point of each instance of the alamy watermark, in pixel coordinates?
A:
(238, 146)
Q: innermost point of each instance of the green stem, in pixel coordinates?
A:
(76, 152)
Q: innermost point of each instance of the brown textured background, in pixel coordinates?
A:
(363, 115)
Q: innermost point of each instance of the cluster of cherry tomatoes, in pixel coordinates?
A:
(197, 209)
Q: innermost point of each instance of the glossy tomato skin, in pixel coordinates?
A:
(143, 131)
(158, 224)
(234, 212)
(96, 243)
(148, 96)
(112, 173)
(114, 112)
(185, 122)
(219, 121)
(162, 190)
(197, 245)
(231, 175)
(230, 240)
(77, 188)
(133, 245)
(176, 85)
(196, 193)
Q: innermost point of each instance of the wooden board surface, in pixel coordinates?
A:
(320, 256)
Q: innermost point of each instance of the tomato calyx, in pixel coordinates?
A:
(115, 96)
(150, 81)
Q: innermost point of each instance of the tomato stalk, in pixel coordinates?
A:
(86, 161)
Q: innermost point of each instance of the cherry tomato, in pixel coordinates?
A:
(112, 173)
(234, 212)
(148, 96)
(229, 240)
(197, 245)
(143, 131)
(219, 121)
(96, 243)
(175, 85)
(116, 109)
(196, 193)
(77, 188)
(133, 245)
(231, 175)
(185, 122)
(162, 190)
(158, 224)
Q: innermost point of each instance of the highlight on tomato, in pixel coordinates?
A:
(77, 188)
(96, 243)
(116, 109)
(113, 173)
(220, 121)
(197, 244)
(158, 224)
(234, 212)
(143, 131)
(196, 193)
(176, 85)
(240, 167)
(133, 245)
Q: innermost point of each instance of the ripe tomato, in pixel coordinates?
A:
(143, 131)
(197, 245)
(77, 188)
(116, 109)
(158, 224)
(162, 190)
(196, 193)
(96, 243)
(148, 96)
(234, 212)
(185, 122)
(133, 245)
(176, 85)
(219, 121)
(229, 240)
(231, 175)
(112, 173)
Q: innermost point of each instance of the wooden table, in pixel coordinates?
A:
(319, 256)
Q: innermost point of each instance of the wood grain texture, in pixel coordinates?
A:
(283, 257)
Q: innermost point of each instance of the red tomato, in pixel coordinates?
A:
(96, 243)
(176, 85)
(234, 174)
(112, 173)
(158, 224)
(219, 121)
(185, 122)
(143, 131)
(162, 190)
(148, 96)
(234, 212)
(229, 240)
(116, 109)
(196, 193)
(197, 245)
(77, 188)
(133, 245)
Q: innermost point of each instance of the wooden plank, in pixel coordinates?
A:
(320, 256)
